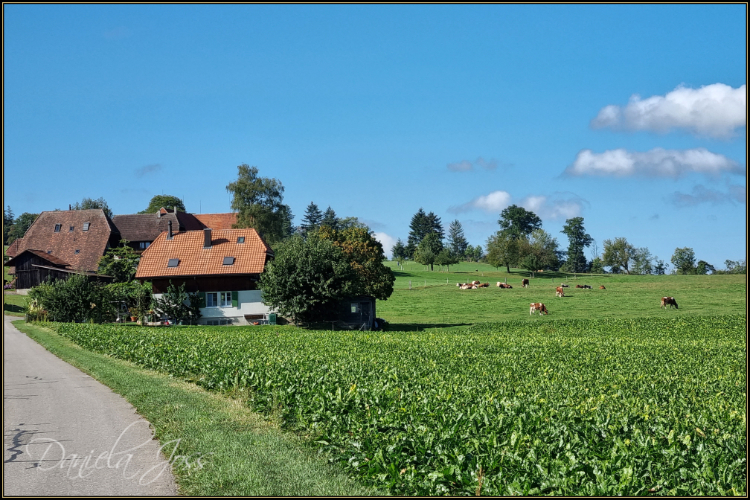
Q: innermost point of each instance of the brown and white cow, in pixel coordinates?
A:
(602, 288)
(504, 285)
(525, 283)
(476, 282)
(537, 306)
(668, 301)
(559, 292)
(564, 285)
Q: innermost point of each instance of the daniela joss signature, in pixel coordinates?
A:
(82, 466)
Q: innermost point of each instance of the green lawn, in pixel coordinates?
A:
(434, 300)
(14, 304)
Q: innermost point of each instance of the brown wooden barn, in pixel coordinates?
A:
(33, 267)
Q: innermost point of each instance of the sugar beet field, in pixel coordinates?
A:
(467, 394)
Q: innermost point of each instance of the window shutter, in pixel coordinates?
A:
(203, 300)
(235, 299)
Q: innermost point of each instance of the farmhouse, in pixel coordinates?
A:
(140, 230)
(222, 265)
(59, 243)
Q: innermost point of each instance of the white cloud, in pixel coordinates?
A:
(554, 208)
(493, 202)
(387, 241)
(657, 163)
(715, 110)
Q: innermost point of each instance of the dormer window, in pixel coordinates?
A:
(71, 229)
(86, 226)
(78, 251)
(228, 261)
(240, 239)
(173, 262)
(58, 227)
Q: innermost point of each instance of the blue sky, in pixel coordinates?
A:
(630, 116)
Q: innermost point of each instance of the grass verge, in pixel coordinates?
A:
(14, 304)
(241, 453)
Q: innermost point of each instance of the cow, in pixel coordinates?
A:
(476, 282)
(564, 285)
(588, 287)
(537, 306)
(525, 283)
(668, 301)
(579, 286)
(602, 288)
(504, 285)
(559, 292)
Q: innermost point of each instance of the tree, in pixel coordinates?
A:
(365, 255)
(683, 260)
(642, 261)
(597, 266)
(307, 278)
(660, 267)
(456, 240)
(428, 250)
(136, 296)
(735, 267)
(166, 201)
(578, 239)
(330, 219)
(502, 250)
(89, 203)
(7, 224)
(446, 257)
(349, 222)
(119, 262)
(20, 226)
(421, 225)
(178, 305)
(618, 254)
(477, 254)
(704, 267)
(542, 246)
(399, 251)
(517, 221)
(258, 201)
(312, 218)
(76, 299)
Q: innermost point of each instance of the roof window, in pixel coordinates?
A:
(49, 251)
(228, 261)
(86, 226)
(71, 229)
(78, 251)
(58, 227)
(240, 239)
(173, 262)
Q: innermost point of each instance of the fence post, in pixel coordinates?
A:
(409, 284)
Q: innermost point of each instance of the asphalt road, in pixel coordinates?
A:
(65, 434)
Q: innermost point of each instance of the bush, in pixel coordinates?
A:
(74, 300)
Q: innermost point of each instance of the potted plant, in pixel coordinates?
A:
(133, 314)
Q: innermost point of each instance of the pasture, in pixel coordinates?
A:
(435, 301)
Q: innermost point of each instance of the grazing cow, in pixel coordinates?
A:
(537, 306)
(668, 301)
(525, 283)
(559, 292)
(602, 288)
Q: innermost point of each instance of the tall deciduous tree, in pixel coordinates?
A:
(308, 278)
(259, 203)
(166, 201)
(517, 221)
(312, 218)
(428, 250)
(542, 248)
(617, 254)
(89, 203)
(502, 250)
(642, 261)
(456, 240)
(446, 257)
(683, 260)
(578, 239)
(365, 255)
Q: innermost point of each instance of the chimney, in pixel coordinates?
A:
(169, 230)
(207, 238)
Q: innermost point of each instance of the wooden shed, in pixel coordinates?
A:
(357, 313)
(32, 267)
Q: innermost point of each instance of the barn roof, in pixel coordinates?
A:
(76, 237)
(146, 227)
(217, 221)
(189, 257)
(42, 255)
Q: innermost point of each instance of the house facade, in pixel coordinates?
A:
(223, 266)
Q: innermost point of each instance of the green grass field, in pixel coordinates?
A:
(435, 301)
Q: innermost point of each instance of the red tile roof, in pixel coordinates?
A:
(217, 221)
(90, 244)
(194, 260)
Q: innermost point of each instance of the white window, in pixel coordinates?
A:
(219, 299)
